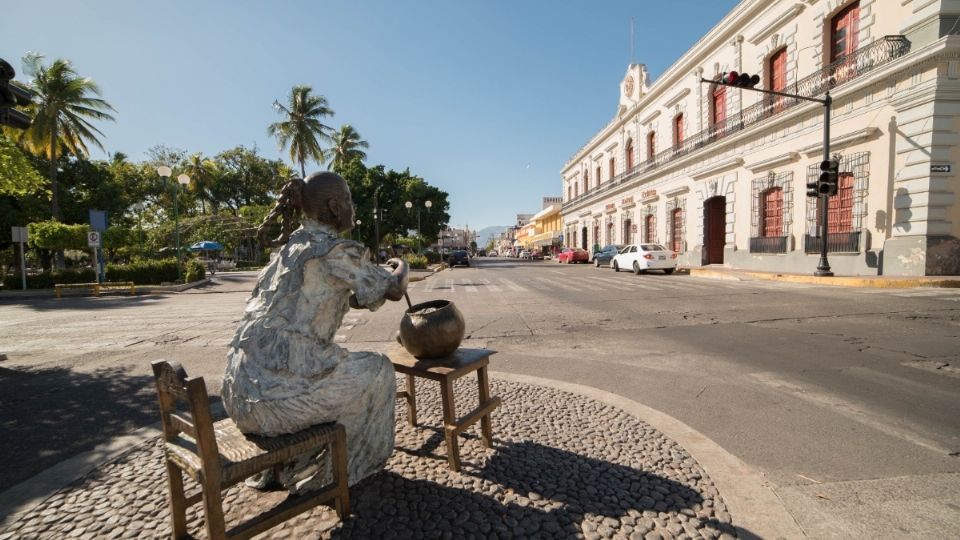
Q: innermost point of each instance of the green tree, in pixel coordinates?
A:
(18, 176)
(202, 172)
(347, 146)
(302, 129)
(245, 178)
(63, 108)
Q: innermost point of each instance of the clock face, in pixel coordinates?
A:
(628, 86)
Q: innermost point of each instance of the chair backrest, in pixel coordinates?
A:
(173, 387)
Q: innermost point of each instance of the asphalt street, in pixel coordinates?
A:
(847, 400)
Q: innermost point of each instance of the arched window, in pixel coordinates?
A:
(575, 194)
(598, 174)
(569, 192)
(610, 233)
(676, 230)
(651, 145)
(627, 229)
(586, 180)
(772, 212)
(613, 167)
(629, 154)
(678, 130)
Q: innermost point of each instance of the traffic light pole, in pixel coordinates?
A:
(823, 267)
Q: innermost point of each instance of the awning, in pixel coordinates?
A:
(545, 239)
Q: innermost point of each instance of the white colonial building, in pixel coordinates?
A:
(719, 174)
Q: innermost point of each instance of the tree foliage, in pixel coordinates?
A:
(301, 128)
(52, 234)
(18, 176)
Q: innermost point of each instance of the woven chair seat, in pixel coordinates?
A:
(243, 455)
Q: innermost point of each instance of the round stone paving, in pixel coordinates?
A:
(562, 466)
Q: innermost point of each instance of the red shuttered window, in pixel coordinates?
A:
(629, 154)
(773, 212)
(651, 145)
(844, 32)
(778, 77)
(678, 130)
(676, 230)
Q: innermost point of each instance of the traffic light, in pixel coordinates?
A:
(12, 95)
(741, 80)
(829, 177)
(813, 189)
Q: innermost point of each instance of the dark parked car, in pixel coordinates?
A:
(605, 255)
(458, 257)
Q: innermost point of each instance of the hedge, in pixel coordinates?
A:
(140, 272)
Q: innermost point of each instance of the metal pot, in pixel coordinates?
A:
(431, 329)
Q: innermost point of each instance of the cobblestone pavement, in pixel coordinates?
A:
(562, 466)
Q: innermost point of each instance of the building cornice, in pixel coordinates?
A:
(837, 143)
(778, 22)
(716, 167)
(770, 163)
(677, 97)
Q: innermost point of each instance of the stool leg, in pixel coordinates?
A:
(449, 424)
(486, 431)
(178, 501)
(411, 401)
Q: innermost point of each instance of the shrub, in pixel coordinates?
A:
(142, 272)
(416, 262)
(195, 271)
(433, 257)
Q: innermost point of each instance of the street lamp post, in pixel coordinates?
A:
(165, 173)
(409, 205)
(358, 229)
(139, 209)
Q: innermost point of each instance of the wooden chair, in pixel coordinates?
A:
(217, 455)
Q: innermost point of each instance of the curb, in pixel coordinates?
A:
(756, 509)
(881, 282)
(151, 289)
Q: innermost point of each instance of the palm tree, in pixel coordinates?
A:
(301, 127)
(201, 172)
(347, 145)
(63, 108)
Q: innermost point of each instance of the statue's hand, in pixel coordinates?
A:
(400, 279)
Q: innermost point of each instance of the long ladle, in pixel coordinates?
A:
(407, 296)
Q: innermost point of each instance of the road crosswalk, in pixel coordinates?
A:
(563, 282)
(566, 283)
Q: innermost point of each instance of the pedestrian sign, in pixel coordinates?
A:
(93, 239)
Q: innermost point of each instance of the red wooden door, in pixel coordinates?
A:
(778, 77)
(719, 110)
(715, 224)
(676, 230)
(844, 30)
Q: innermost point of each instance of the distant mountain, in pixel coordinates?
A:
(484, 234)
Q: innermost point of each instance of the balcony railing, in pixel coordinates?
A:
(847, 68)
(848, 242)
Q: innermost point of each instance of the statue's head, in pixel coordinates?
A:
(325, 197)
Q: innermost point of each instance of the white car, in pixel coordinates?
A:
(525, 255)
(643, 257)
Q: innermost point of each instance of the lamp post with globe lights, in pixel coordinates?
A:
(358, 229)
(409, 205)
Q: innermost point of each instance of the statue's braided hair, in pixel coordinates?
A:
(288, 206)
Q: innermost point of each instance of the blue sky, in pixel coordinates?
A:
(484, 99)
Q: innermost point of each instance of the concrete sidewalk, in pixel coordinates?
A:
(880, 282)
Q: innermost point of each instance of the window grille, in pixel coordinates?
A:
(847, 208)
(676, 213)
(771, 211)
(650, 223)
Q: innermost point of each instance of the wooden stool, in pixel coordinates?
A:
(445, 371)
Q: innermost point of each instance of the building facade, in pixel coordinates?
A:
(720, 174)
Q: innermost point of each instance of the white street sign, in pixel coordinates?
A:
(93, 239)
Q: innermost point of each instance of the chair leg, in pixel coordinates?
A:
(340, 462)
(178, 501)
(213, 511)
